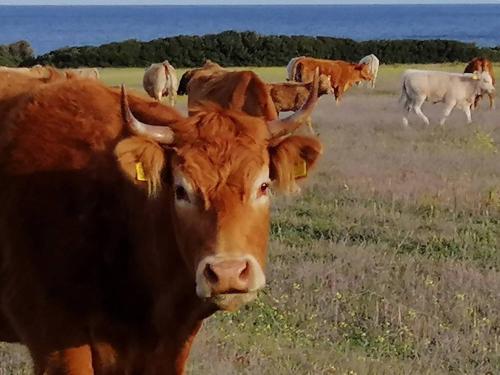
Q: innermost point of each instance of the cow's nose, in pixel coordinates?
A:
(228, 276)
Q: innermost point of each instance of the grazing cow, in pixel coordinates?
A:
(161, 80)
(373, 62)
(480, 64)
(342, 74)
(291, 96)
(291, 68)
(243, 91)
(208, 68)
(92, 73)
(39, 71)
(117, 238)
(453, 89)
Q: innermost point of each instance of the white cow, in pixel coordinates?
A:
(373, 62)
(290, 68)
(452, 89)
(161, 80)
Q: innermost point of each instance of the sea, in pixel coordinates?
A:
(52, 27)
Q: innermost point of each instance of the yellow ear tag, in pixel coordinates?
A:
(300, 169)
(139, 172)
(475, 77)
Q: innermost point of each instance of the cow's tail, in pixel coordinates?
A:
(297, 71)
(405, 97)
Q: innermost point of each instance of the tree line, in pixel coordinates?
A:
(231, 48)
(16, 53)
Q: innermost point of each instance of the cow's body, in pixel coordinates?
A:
(452, 89)
(342, 74)
(91, 73)
(161, 80)
(479, 65)
(242, 91)
(373, 62)
(208, 68)
(102, 272)
(39, 71)
(291, 96)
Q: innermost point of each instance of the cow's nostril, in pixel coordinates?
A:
(245, 272)
(210, 274)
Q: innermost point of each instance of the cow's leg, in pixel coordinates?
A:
(417, 107)
(467, 114)
(336, 92)
(492, 101)
(72, 361)
(172, 95)
(476, 101)
(447, 110)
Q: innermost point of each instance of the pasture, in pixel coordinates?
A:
(387, 263)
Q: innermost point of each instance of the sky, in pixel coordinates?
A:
(233, 2)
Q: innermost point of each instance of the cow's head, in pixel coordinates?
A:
(364, 72)
(484, 81)
(216, 170)
(208, 66)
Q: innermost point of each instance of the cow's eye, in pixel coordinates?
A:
(264, 189)
(181, 193)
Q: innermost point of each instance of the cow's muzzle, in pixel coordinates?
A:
(229, 281)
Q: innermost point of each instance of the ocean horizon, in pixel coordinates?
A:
(49, 27)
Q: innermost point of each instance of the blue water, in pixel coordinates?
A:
(51, 27)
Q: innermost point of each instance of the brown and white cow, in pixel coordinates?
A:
(480, 64)
(291, 96)
(342, 74)
(117, 237)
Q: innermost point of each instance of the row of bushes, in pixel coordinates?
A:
(232, 48)
(15, 53)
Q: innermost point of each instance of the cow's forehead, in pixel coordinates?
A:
(220, 149)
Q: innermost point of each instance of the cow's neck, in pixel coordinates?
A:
(177, 312)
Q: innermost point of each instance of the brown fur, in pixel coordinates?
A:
(291, 96)
(342, 74)
(480, 64)
(242, 91)
(97, 276)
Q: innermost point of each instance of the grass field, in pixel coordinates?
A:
(388, 262)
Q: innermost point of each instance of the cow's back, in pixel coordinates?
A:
(243, 91)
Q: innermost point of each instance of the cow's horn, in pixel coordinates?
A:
(161, 134)
(280, 128)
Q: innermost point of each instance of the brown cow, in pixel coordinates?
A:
(480, 64)
(209, 67)
(243, 91)
(291, 96)
(117, 238)
(342, 74)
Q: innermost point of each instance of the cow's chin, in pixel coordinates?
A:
(232, 301)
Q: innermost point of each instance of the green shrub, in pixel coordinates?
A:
(231, 48)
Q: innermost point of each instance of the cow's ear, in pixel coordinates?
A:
(142, 161)
(292, 160)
